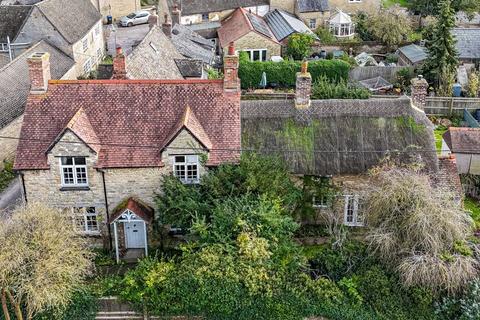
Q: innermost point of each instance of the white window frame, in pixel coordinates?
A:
(251, 51)
(312, 23)
(207, 15)
(87, 66)
(352, 208)
(189, 160)
(85, 44)
(74, 168)
(81, 214)
(99, 55)
(324, 202)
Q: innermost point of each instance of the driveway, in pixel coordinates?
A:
(11, 197)
(125, 37)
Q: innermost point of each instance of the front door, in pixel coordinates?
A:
(134, 235)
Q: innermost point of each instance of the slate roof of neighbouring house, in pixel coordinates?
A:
(73, 19)
(15, 80)
(190, 7)
(190, 68)
(131, 119)
(191, 45)
(414, 53)
(11, 21)
(463, 140)
(283, 24)
(338, 136)
(312, 6)
(154, 58)
(468, 42)
(239, 24)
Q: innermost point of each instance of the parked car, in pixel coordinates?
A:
(135, 18)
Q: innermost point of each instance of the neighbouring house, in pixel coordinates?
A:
(412, 55)
(15, 87)
(283, 25)
(468, 44)
(204, 11)
(314, 13)
(464, 144)
(251, 34)
(99, 148)
(116, 8)
(320, 9)
(341, 25)
(12, 19)
(74, 27)
(338, 141)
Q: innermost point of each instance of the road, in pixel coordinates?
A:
(11, 196)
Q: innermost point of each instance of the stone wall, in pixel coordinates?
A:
(95, 51)
(320, 17)
(287, 5)
(253, 40)
(354, 7)
(9, 146)
(142, 183)
(116, 8)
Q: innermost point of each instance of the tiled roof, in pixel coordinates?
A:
(238, 25)
(338, 136)
(190, 68)
(463, 140)
(191, 45)
(142, 210)
(312, 6)
(131, 118)
(154, 58)
(190, 7)
(11, 21)
(468, 42)
(284, 24)
(15, 80)
(414, 53)
(73, 19)
(447, 177)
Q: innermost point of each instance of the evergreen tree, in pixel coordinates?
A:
(442, 61)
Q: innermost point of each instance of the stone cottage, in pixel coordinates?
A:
(99, 148)
(334, 143)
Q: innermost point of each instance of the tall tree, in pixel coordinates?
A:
(431, 7)
(391, 27)
(43, 260)
(442, 62)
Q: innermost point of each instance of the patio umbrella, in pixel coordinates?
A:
(263, 82)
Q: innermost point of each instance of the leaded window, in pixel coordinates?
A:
(353, 216)
(85, 219)
(186, 168)
(74, 171)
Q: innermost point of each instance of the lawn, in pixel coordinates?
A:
(473, 206)
(389, 3)
(438, 138)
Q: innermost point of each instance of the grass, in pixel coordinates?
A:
(473, 206)
(438, 138)
(389, 3)
(6, 175)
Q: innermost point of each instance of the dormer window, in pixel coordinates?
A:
(74, 171)
(186, 168)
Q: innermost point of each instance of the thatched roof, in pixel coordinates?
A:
(338, 136)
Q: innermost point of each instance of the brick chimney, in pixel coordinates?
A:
(39, 69)
(176, 15)
(231, 82)
(419, 87)
(167, 26)
(303, 87)
(119, 65)
(153, 19)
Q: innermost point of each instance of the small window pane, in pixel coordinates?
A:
(92, 224)
(80, 160)
(264, 55)
(192, 158)
(180, 159)
(68, 161)
(256, 55)
(68, 176)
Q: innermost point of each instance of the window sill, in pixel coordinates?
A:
(74, 188)
(93, 234)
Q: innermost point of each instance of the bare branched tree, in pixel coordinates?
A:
(414, 227)
(43, 260)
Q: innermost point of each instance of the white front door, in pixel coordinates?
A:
(134, 235)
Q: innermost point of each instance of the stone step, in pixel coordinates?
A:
(121, 315)
(113, 304)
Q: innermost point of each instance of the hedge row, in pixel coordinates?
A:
(283, 74)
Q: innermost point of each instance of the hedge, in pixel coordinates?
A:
(284, 73)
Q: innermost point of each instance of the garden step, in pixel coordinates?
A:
(113, 304)
(121, 315)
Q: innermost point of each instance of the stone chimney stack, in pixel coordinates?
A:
(419, 92)
(119, 65)
(303, 87)
(176, 15)
(231, 82)
(39, 69)
(167, 26)
(153, 19)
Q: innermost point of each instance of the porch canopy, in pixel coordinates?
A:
(134, 216)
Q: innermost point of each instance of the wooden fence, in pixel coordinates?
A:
(363, 73)
(446, 106)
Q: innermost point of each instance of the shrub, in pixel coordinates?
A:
(463, 307)
(326, 37)
(299, 45)
(83, 306)
(6, 175)
(284, 73)
(325, 89)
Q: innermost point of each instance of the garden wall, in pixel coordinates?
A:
(388, 73)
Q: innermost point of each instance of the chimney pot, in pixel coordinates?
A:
(167, 26)
(119, 65)
(176, 14)
(39, 69)
(231, 82)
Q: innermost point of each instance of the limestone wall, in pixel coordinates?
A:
(253, 40)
